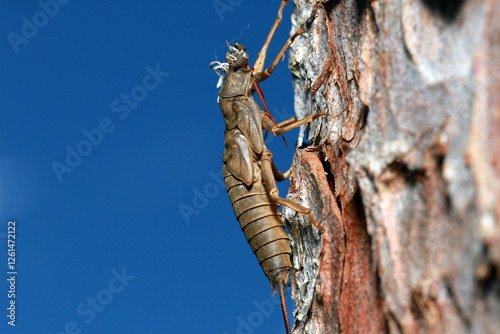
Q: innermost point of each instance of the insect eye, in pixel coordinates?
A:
(240, 46)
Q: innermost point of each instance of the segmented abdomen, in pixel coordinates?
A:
(261, 222)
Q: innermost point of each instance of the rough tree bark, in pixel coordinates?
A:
(406, 179)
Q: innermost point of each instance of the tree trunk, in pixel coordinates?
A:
(404, 176)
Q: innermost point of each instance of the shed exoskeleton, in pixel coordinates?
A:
(249, 172)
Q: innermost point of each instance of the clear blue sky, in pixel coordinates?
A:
(108, 125)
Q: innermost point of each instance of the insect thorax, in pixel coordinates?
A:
(237, 83)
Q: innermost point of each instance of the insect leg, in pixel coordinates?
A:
(289, 124)
(272, 189)
(292, 125)
(286, 122)
(259, 63)
(261, 75)
(279, 175)
(289, 42)
(281, 54)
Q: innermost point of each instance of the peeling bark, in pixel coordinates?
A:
(405, 175)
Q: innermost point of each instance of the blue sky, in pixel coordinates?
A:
(108, 126)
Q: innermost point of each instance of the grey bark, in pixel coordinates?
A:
(406, 179)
